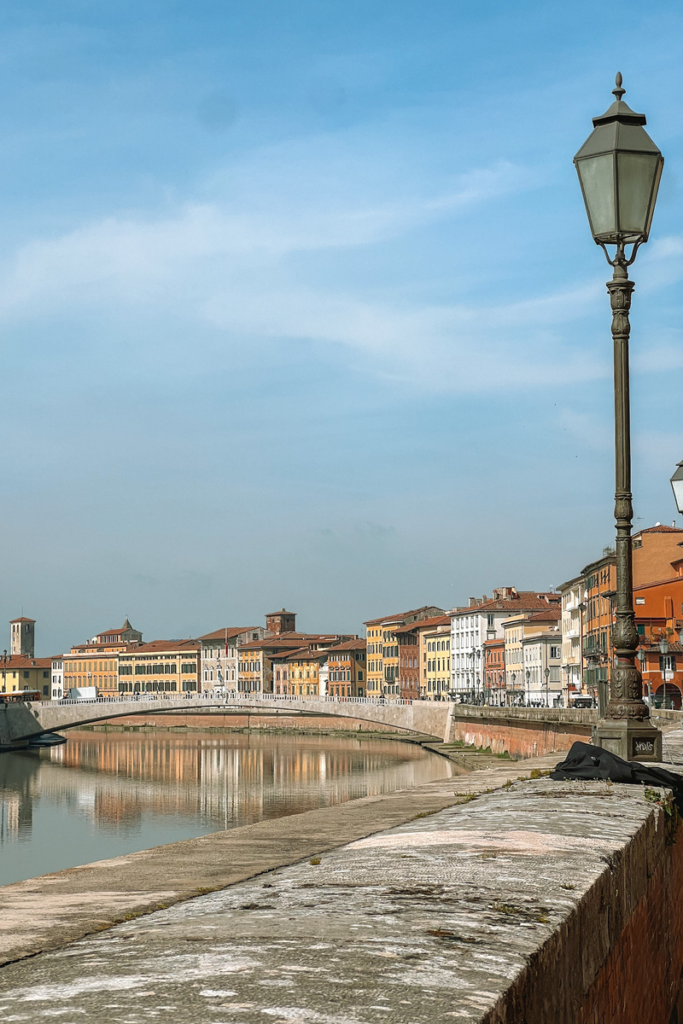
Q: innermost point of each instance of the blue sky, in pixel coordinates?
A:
(298, 305)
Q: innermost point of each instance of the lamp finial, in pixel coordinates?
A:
(618, 92)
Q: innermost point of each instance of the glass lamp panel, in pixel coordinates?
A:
(596, 174)
(677, 487)
(636, 177)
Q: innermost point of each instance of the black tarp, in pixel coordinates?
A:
(585, 761)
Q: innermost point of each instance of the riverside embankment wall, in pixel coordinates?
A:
(490, 900)
(521, 732)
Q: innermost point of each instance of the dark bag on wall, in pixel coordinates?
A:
(585, 761)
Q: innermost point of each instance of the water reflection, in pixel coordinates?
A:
(105, 794)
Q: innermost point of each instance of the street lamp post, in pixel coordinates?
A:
(664, 650)
(546, 672)
(619, 169)
(528, 695)
(642, 658)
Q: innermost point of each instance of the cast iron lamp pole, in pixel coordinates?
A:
(619, 168)
(664, 650)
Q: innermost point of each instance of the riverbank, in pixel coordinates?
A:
(55, 909)
(514, 900)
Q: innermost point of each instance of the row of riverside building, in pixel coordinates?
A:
(550, 648)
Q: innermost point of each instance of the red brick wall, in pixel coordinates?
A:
(519, 739)
(617, 959)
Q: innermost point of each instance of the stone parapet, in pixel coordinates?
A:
(523, 901)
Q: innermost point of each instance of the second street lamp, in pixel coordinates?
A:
(677, 487)
(619, 169)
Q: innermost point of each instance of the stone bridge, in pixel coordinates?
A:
(521, 732)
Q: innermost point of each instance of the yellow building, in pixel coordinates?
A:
(435, 666)
(96, 662)
(93, 665)
(383, 662)
(162, 666)
(297, 673)
(21, 672)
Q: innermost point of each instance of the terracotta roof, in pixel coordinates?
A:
(435, 620)
(551, 615)
(659, 529)
(348, 645)
(280, 640)
(22, 618)
(230, 632)
(166, 645)
(401, 615)
(303, 653)
(658, 583)
(675, 647)
(127, 645)
(525, 601)
(283, 611)
(15, 661)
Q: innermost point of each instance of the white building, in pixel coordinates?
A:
(219, 655)
(572, 593)
(483, 620)
(57, 687)
(542, 658)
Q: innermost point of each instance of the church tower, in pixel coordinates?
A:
(23, 637)
(281, 622)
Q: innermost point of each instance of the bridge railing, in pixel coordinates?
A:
(234, 695)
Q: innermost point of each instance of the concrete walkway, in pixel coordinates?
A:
(52, 910)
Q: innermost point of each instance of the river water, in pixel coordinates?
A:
(104, 794)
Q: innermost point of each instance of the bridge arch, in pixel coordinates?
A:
(22, 721)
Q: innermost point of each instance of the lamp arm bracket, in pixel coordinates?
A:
(620, 257)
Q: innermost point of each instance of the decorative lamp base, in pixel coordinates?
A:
(632, 740)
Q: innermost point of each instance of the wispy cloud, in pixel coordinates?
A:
(249, 268)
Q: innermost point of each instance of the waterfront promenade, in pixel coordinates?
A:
(494, 897)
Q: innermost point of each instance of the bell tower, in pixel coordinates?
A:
(281, 622)
(23, 637)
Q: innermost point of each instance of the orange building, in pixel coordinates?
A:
(655, 550)
(383, 649)
(598, 615)
(346, 672)
(659, 620)
(415, 653)
(494, 671)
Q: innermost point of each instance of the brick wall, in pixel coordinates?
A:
(520, 739)
(618, 958)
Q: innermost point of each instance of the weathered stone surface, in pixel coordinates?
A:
(434, 919)
(49, 911)
(536, 902)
